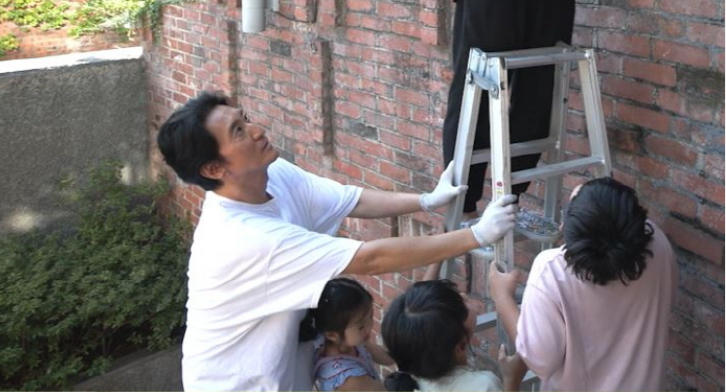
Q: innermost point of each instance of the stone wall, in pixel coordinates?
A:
(61, 114)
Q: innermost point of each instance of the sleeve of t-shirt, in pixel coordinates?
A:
(300, 264)
(328, 201)
(541, 336)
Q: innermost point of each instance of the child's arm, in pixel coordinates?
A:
(512, 368)
(379, 355)
(361, 383)
(433, 271)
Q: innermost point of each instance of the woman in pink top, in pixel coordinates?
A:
(595, 312)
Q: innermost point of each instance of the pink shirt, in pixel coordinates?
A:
(579, 336)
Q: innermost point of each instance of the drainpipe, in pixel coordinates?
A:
(253, 14)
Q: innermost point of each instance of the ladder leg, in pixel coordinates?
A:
(501, 162)
(596, 131)
(463, 149)
(501, 169)
(553, 187)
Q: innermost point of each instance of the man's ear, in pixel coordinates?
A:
(212, 170)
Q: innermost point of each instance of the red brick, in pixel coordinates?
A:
(661, 74)
(712, 218)
(641, 3)
(413, 97)
(627, 89)
(347, 109)
(673, 201)
(409, 29)
(395, 42)
(713, 165)
(707, 8)
(378, 182)
(674, 150)
(706, 34)
(360, 5)
(681, 53)
(671, 101)
(694, 240)
(652, 168)
(610, 17)
(624, 43)
(395, 140)
(393, 11)
(413, 130)
(359, 36)
(643, 117)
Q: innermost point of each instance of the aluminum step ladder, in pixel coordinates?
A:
(488, 71)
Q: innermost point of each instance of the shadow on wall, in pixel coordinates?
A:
(60, 115)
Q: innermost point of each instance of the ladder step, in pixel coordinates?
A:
(556, 169)
(517, 149)
(485, 321)
(536, 227)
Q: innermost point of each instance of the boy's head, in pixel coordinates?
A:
(606, 233)
(185, 142)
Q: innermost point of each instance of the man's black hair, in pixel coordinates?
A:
(606, 233)
(185, 142)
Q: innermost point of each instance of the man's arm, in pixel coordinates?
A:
(382, 204)
(375, 204)
(404, 253)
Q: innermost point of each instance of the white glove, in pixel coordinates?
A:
(444, 191)
(499, 217)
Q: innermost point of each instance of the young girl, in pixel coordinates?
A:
(344, 359)
(427, 331)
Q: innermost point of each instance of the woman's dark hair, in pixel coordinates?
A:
(606, 233)
(185, 142)
(421, 330)
(341, 300)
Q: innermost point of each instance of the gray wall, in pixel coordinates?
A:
(61, 114)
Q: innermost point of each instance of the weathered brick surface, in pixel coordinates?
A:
(356, 91)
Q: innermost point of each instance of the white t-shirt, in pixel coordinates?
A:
(579, 336)
(462, 380)
(254, 270)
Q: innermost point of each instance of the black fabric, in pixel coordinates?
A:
(500, 25)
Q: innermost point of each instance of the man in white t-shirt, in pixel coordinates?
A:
(264, 247)
(595, 312)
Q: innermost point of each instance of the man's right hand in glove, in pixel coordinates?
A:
(499, 217)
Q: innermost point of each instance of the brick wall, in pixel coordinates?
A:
(35, 42)
(356, 91)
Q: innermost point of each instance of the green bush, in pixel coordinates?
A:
(8, 43)
(46, 14)
(74, 299)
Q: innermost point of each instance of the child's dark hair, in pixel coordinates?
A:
(421, 330)
(342, 299)
(606, 233)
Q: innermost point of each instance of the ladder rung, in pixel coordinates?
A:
(538, 57)
(483, 253)
(555, 169)
(485, 321)
(517, 149)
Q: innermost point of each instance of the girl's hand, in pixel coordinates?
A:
(502, 285)
(512, 368)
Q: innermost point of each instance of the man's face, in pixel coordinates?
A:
(243, 146)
